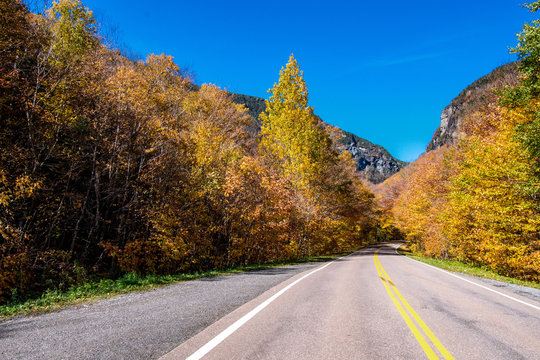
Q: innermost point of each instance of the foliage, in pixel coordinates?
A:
(477, 201)
(418, 207)
(291, 136)
(109, 166)
(332, 205)
(523, 95)
(490, 216)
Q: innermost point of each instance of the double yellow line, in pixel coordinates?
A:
(389, 285)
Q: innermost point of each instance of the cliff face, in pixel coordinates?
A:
(474, 98)
(373, 161)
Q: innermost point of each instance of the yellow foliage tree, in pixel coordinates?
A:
(291, 136)
(418, 208)
(490, 217)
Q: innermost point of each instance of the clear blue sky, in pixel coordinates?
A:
(383, 70)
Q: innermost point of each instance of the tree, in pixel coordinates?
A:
(528, 51)
(334, 210)
(291, 136)
(74, 29)
(490, 218)
(418, 207)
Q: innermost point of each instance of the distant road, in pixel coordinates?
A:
(374, 304)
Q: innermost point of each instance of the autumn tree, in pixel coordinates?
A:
(334, 207)
(490, 218)
(418, 207)
(290, 133)
(523, 95)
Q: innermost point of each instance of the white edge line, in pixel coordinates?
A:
(472, 282)
(205, 349)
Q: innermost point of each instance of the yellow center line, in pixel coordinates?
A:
(423, 343)
(419, 320)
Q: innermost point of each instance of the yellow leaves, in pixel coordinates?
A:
(25, 187)
(420, 202)
(290, 134)
(471, 203)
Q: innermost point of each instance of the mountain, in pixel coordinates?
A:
(473, 98)
(373, 161)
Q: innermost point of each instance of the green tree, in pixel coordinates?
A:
(528, 51)
(74, 29)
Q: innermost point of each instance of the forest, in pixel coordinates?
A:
(478, 201)
(110, 166)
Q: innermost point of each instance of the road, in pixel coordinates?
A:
(142, 325)
(373, 304)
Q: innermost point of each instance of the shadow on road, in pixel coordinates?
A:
(287, 269)
(383, 249)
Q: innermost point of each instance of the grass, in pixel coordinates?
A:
(131, 282)
(459, 267)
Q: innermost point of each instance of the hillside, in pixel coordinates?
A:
(373, 161)
(473, 98)
(473, 196)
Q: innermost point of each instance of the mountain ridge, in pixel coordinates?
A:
(373, 161)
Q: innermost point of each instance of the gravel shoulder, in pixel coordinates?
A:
(525, 291)
(142, 325)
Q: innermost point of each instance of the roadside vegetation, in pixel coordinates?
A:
(459, 267)
(478, 201)
(111, 167)
(93, 290)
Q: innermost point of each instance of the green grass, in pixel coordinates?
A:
(131, 282)
(459, 267)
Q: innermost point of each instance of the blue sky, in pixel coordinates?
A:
(382, 70)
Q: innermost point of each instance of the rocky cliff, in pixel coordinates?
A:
(475, 97)
(373, 161)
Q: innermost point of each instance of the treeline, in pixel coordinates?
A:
(109, 165)
(478, 201)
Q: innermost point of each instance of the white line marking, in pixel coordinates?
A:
(205, 349)
(472, 282)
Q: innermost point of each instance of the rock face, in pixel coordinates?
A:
(373, 161)
(475, 97)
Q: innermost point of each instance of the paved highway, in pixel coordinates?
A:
(375, 304)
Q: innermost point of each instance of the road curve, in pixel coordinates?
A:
(374, 304)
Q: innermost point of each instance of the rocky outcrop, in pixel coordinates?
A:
(474, 98)
(373, 161)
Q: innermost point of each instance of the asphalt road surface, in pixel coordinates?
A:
(142, 325)
(374, 304)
